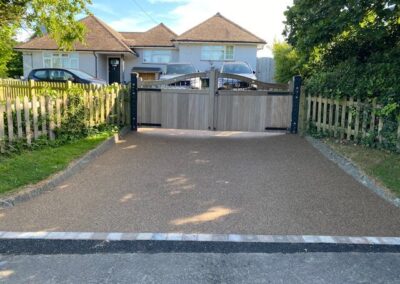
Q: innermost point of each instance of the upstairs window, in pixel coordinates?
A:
(156, 56)
(60, 60)
(217, 52)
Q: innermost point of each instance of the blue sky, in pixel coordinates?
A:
(262, 17)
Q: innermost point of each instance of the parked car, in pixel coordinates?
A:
(64, 75)
(237, 68)
(173, 70)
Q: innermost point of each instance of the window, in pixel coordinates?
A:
(217, 52)
(156, 56)
(60, 75)
(40, 74)
(60, 60)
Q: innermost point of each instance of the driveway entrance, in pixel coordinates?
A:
(160, 180)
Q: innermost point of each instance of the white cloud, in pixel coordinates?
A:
(261, 17)
(130, 24)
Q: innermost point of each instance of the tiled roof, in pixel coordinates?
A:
(159, 36)
(219, 29)
(99, 37)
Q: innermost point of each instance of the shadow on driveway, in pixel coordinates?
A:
(209, 182)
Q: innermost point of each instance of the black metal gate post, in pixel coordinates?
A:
(296, 104)
(133, 102)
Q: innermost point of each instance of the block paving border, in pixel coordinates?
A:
(117, 236)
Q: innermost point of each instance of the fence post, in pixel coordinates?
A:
(295, 104)
(213, 86)
(133, 101)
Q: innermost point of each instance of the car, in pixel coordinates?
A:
(64, 75)
(237, 68)
(173, 70)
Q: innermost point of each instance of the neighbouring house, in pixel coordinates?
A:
(112, 55)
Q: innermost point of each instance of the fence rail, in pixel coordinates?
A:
(26, 115)
(349, 119)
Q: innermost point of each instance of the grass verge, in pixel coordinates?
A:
(381, 165)
(30, 167)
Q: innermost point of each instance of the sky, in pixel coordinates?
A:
(262, 17)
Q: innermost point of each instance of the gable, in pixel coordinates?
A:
(219, 29)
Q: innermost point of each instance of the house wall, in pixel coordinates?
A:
(31, 60)
(133, 61)
(191, 53)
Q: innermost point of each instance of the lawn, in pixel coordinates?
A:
(30, 167)
(383, 166)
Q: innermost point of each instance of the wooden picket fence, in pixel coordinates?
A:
(11, 88)
(349, 119)
(28, 116)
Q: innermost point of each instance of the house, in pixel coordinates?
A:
(112, 55)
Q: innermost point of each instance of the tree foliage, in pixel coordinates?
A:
(348, 47)
(57, 18)
(286, 62)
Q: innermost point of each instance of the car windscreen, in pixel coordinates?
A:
(236, 69)
(180, 69)
(81, 74)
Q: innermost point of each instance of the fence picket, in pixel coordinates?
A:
(343, 118)
(10, 121)
(380, 127)
(372, 127)
(51, 118)
(2, 134)
(350, 119)
(357, 119)
(19, 119)
(27, 119)
(337, 106)
(325, 114)
(398, 135)
(364, 120)
(35, 117)
(43, 117)
(58, 112)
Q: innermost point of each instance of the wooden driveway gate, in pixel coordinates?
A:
(172, 104)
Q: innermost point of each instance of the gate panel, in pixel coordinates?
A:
(185, 109)
(149, 107)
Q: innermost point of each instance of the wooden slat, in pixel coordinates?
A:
(35, 117)
(19, 116)
(331, 124)
(398, 135)
(319, 113)
(337, 113)
(308, 111)
(357, 119)
(108, 103)
(58, 112)
(51, 118)
(43, 115)
(27, 121)
(91, 114)
(350, 119)
(2, 126)
(10, 120)
(325, 114)
(364, 120)
(343, 118)
(314, 109)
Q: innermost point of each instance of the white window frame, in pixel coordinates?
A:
(152, 54)
(66, 60)
(222, 48)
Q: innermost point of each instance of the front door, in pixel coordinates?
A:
(114, 70)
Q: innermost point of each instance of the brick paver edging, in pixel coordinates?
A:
(114, 236)
(354, 171)
(30, 191)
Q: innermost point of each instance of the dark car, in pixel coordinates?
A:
(64, 75)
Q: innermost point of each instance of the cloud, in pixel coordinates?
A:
(129, 24)
(262, 17)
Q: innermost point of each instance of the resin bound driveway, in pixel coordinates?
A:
(209, 182)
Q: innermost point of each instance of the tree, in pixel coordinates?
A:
(57, 18)
(286, 62)
(350, 47)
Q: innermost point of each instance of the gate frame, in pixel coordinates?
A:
(213, 91)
